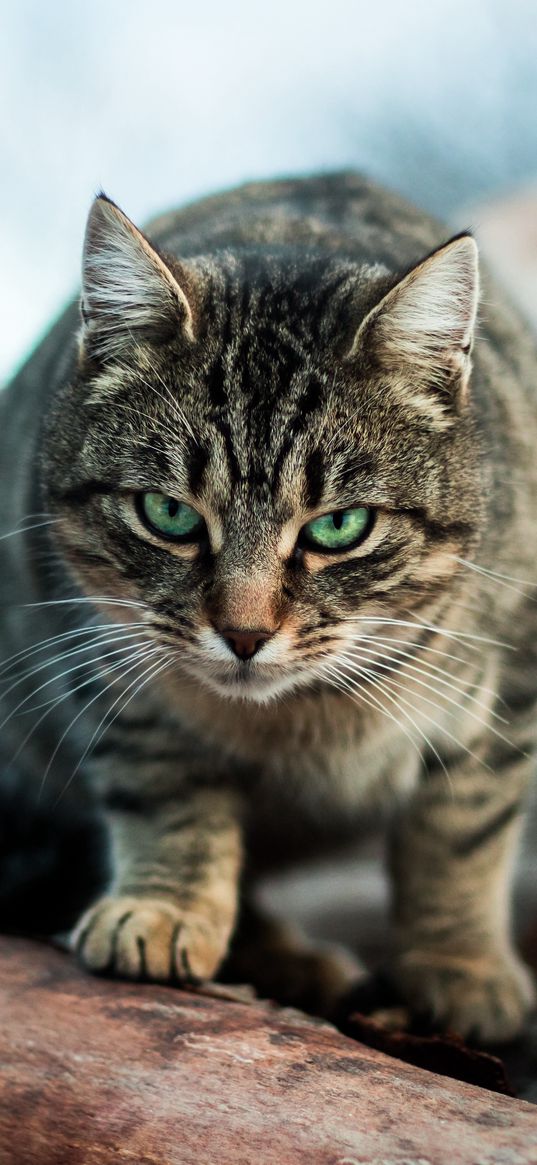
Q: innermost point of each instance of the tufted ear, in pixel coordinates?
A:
(128, 291)
(421, 332)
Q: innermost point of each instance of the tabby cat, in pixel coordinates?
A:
(266, 511)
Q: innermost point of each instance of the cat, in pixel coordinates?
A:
(266, 503)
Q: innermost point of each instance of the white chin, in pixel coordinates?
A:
(253, 688)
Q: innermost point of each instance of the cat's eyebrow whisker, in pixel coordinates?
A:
(417, 626)
(138, 683)
(154, 448)
(505, 580)
(169, 399)
(155, 421)
(57, 700)
(348, 421)
(170, 402)
(140, 659)
(428, 670)
(157, 424)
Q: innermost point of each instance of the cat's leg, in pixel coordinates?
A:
(451, 857)
(283, 965)
(172, 905)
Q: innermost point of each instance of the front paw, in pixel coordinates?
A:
(149, 938)
(485, 998)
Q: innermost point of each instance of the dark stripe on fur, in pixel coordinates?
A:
(469, 844)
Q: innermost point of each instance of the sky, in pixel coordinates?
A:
(159, 101)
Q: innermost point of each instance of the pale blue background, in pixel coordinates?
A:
(158, 101)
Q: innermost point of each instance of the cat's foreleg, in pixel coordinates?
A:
(451, 856)
(172, 904)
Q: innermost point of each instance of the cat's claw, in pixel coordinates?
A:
(149, 938)
(486, 998)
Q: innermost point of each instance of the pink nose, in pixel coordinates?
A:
(245, 644)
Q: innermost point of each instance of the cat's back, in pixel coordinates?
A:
(342, 213)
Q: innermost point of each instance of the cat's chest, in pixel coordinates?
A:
(315, 751)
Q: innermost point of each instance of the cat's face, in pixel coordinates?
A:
(273, 455)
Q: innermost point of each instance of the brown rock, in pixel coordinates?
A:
(94, 1072)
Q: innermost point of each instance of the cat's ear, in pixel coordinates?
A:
(421, 332)
(128, 292)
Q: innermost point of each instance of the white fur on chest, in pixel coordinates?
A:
(320, 749)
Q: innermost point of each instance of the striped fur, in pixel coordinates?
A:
(268, 356)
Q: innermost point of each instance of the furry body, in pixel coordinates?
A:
(288, 352)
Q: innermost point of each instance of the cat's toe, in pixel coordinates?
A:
(148, 938)
(484, 998)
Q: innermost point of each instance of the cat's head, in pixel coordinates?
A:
(271, 450)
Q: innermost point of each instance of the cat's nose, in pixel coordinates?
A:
(245, 644)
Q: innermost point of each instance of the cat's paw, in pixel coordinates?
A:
(485, 998)
(314, 979)
(149, 938)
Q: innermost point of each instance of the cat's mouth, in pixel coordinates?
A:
(248, 681)
(268, 674)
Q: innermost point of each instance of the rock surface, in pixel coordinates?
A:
(94, 1072)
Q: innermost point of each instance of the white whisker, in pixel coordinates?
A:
(57, 700)
(348, 686)
(93, 663)
(441, 728)
(149, 651)
(154, 669)
(403, 687)
(410, 643)
(57, 659)
(449, 633)
(504, 580)
(88, 599)
(43, 644)
(25, 529)
(385, 661)
(30, 696)
(170, 402)
(157, 425)
(397, 701)
(353, 683)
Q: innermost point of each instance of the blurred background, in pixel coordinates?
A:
(158, 102)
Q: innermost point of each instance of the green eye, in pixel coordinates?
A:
(171, 518)
(338, 531)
